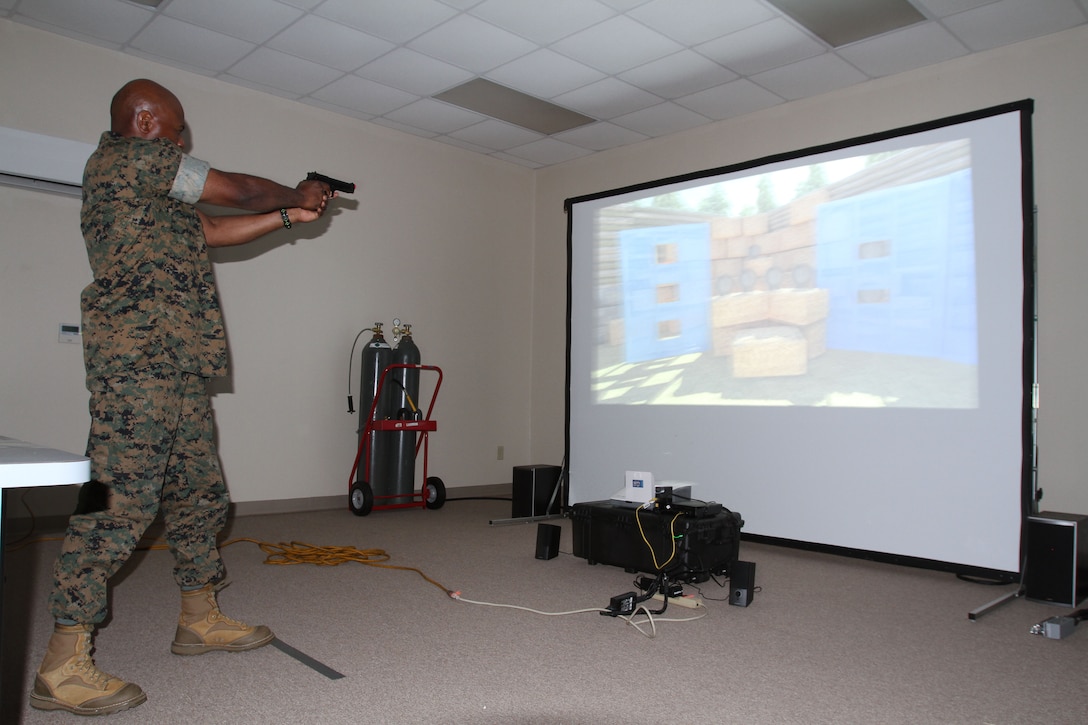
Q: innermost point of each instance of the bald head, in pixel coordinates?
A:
(146, 109)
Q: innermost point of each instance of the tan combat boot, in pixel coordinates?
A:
(203, 628)
(69, 680)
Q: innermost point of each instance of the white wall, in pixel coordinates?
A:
(1050, 70)
(471, 251)
(435, 235)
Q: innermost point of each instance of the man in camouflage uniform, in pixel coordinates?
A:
(153, 334)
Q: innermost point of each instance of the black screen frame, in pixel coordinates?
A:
(1028, 486)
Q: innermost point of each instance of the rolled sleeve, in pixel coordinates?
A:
(189, 182)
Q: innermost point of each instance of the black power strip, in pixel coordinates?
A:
(621, 604)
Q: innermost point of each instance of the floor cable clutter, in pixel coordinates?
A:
(632, 610)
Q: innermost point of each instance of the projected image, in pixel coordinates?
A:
(847, 283)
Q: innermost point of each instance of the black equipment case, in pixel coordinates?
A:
(706, 538)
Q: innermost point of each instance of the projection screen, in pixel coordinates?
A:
(837, 342)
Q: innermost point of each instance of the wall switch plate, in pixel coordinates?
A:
(69, 332)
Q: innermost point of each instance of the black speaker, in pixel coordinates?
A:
(533, 488)
(742, 583)
(1057, 558)
(547, 541)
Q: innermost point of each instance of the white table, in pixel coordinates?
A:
(25, 464)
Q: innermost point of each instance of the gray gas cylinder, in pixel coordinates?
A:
(404, 392)
(377, 355)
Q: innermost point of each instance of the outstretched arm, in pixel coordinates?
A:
(232, 229)
(253, 193)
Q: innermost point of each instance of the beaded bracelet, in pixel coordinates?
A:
(286, 219)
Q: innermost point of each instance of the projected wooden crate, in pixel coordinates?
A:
(791, 315)
(770, 352)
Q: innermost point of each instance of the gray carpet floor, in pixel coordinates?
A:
(827, 639)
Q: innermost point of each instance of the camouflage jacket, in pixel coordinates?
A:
(153, 300)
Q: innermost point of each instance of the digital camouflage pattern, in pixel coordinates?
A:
(153, 299)
(152, 444)
(152, 333)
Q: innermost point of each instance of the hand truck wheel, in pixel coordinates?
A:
(361, 498)
(434, 492)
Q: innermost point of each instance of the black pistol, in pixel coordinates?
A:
(346, 187)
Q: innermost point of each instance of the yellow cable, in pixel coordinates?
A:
(293, 553)
(301, 553)
(672, 535)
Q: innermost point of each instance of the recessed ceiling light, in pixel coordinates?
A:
(841, 22)
(515, 107)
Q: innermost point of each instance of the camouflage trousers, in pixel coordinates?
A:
(152, 445)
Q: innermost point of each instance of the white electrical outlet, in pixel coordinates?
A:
(500, 453)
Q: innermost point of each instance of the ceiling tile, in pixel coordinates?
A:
(905, 50)
(496, 135)
(941, 8)
(762, 47)
(678, 74)
(548, 151)
(1010, 21)
(503, 156)
(462, 144)
(644, 68)
(414, 72)
(730, 100)
(491, 46)
(252, 20)
(189, 44)
(292, 74)
(662, 119)
(696, 21)
(617, 45)
(323, 41)
(543, 22)
(624, 5)
(398, 21)
(600, 136)
(304, 4)
(107, 19)
(462, 4)
(841, 22)
(364, 95)
(545, 74)
(498, 101)
(811, 77)
(405, 128)
(262, 87)
(333, 108)
(607, 98)
(432, 115)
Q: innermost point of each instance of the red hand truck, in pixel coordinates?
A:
(432, 494)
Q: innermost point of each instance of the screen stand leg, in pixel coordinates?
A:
(986, 608)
